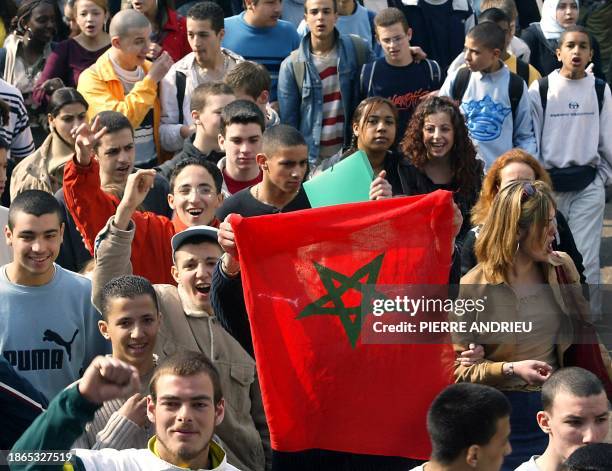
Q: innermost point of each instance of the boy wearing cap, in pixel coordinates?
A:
(188, 323)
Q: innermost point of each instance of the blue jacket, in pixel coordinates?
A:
(305, 111)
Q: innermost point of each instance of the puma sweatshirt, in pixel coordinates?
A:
(49, 333)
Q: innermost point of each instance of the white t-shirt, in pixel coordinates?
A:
(529, 465)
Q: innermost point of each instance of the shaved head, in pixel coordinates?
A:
(125, 21)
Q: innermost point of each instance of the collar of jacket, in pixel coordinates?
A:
(105, 68)
(305, 51)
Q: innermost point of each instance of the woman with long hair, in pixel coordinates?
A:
(44, 169)
(169, 29)
(516, 164)
(25, 52)
(72, 56)
(518, 277)
(374, 128)
(440, 155)
(543, 37)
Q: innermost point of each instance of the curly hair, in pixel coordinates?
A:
(491, 183)
(363, 110)
(467, 170)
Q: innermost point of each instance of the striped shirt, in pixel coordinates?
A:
(332, 126)
(16, 133)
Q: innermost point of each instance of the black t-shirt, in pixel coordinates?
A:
(405, 86)
(245, 204)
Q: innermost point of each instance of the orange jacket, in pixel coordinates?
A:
(91, 208)
(103, 90)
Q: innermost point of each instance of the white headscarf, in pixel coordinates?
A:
(549, 24)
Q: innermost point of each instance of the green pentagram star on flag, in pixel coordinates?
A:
(332, 304)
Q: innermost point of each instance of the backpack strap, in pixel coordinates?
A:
(299, 69)
(600, 88)
(181, 82)
(543, 86)
(522, 70)
(434, 72)
(515, 92)
(460, 83)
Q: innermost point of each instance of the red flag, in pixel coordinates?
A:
(302, 275)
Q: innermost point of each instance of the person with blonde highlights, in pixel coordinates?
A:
(517, 276)
(440, 155)
(516, 164)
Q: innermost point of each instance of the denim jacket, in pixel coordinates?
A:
(305, 112)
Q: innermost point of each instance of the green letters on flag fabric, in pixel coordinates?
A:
(302, 275)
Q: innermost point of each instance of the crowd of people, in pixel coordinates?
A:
(132, 131)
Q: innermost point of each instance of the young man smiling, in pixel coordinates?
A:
(185, 404)
(122, 80)
(208, 62)
(47, 322)
(575, 414)
(131, 321)
(188, 323)
(115, 153)
(195, 194)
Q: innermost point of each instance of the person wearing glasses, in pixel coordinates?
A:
(398, 76)
(518, 277)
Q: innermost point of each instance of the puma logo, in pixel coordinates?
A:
(51, 336)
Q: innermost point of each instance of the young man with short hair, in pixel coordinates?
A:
(517, 46)
(115, 152)
(130, 321)
(523, 69)
(242, 127)
(493, 99)
(317, 92)
(251, 81)
(48, 326)
(283, 160)
(469, 427)
(572, 112)
(188, 323)
(207, 102)
(260, 36)
(397, 76)
(575, 414)
(208, 62)
(195, 194)
(185, 404)
(122, 80)
(439, 27)
(353, 18)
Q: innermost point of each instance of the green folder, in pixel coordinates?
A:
(348, 181)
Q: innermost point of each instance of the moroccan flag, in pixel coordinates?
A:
(304, 275)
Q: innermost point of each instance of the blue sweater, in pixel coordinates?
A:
(486, 106)
(266, 46)
(49, 333)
